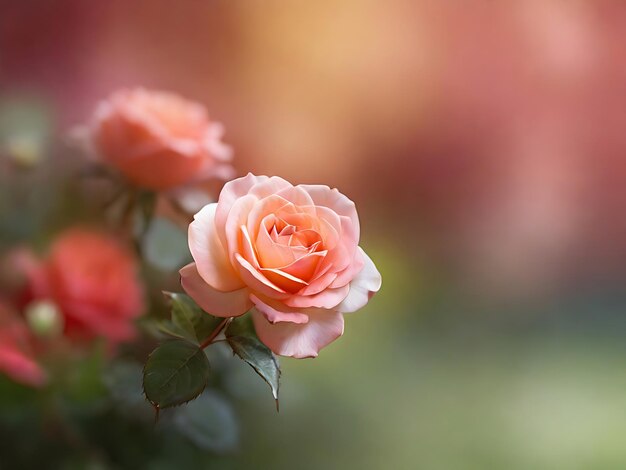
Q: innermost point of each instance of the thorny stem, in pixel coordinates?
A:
(216, 332)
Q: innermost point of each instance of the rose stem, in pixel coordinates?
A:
(216, 332)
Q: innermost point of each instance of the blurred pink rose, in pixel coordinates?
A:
(158, 140)
(290, 251)
(93, 281)
(16, 357)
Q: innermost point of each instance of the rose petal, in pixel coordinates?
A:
(169, 168)
(102, 320)
(257, 281)
(329, 234)
(20, 367)
(329, 216)
(268, 186)
(168, 114)
(116, 127)
(212, 169)
(299, 340)
(298, 196)
(274, 314)
(300, 220)
(16, 357)
(328, 299)
(272, 254)
(324, 196)
(247, 247)
(320, 283)
(266, 206)
(304, 267)
(257, 187)
(219, 304)
(236, 218)
(210, 256)
(363, 287)
(343, 254)
(345, 276)
(306, 238)
(214, 145)
(285, 281)
(230, 193)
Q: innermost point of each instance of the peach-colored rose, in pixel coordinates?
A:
(290, 251)
(93, 281)
(158, 140)
(16, 357)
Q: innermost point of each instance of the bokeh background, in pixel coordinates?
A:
(485, 146)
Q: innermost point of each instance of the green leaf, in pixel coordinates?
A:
(245, 343)
(164, 245)
(167, 327)
(83, 381)
(209, 422)
(176, 372)
(188, 320)
(123, 381)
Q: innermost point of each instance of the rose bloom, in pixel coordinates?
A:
(290, 251)
(158, 140)
(16, 356)
(92, 279)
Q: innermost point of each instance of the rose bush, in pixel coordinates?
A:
(158, 140)
(16, 355)
(92, 279)
(290, 251)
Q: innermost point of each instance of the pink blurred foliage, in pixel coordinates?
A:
(17, 359)
(488, 135)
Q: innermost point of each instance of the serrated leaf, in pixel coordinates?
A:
(209, 422)
(167, 327)
(176, 372)
(188, 319)
(245, 343)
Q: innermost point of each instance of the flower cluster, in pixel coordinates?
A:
(275, 265)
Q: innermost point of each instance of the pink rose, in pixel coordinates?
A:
(158, 140)
(16, 357)
(93, 281)
(290, 251)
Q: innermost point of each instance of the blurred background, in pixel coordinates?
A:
(484, 144)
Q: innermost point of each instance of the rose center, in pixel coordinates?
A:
(293, 236)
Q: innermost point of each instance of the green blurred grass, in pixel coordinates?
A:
(544, 403)
(403, 392)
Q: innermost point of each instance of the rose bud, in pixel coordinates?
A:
(289, 251)
(43, 318)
